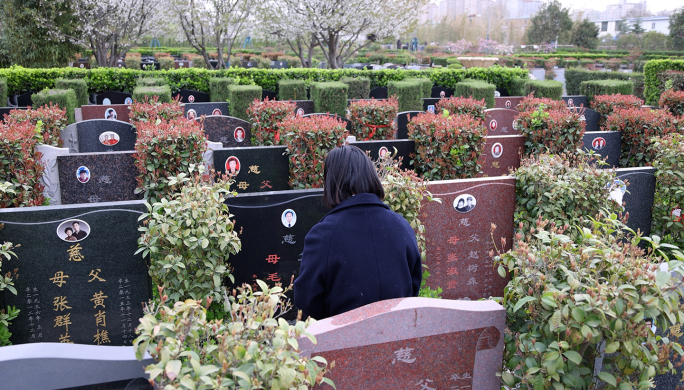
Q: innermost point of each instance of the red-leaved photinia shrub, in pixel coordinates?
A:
(151, 109)
(462, 106)
(308, 141)
(267, 115)
(373, 119)
(606, 104)
(638, 126)
(672, 101)
(532, 103)
(21, 164)
(447, 147)
(54, 121)
(166, 149)
(551, 130)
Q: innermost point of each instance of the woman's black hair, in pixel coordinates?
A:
(65, 230)
(349, 171)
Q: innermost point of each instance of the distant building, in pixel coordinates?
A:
(430, 13)
(660, 24)
(453, 8)
(620, 10)
(522, 9)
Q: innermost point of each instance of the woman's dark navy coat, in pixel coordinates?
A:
(359, 253)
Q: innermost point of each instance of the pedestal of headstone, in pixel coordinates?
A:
(50, 179)
(499, 121)
(501, 154)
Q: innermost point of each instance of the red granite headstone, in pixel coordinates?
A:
(500, 154)
(459, 238)
(413, 343)
(181, 64)
(114, 111)
(509, 102)
(499, 121)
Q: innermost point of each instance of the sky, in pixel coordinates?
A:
(600, 5)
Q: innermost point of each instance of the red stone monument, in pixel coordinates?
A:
(509, 102)
(499, 121)
(120, 112)
(500, 154)
(412, 343)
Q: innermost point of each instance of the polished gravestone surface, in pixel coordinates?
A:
(378, 93)
(304, 107)
(639, 196)
(499, 121)
(509, 102)
(113, 97)
(576, 101)
(403, 119)
(199, 109)
(255, 168)
(230, 131)
(501, 154)
(442, 92)
(605, 143)
(427, 102)
(113, 111)
(190, 96)
(84, 289)
(592, 119)
(101, 135)
(404, 149)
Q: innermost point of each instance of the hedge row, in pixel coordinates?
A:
(575, 76)
(652, 87)
(21, 80)
(64, 98)
(593, 88)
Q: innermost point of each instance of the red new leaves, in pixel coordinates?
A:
(267, 116)
(374, 119)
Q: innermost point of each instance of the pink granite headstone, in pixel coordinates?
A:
(500, 154)
(120, 112)
(412, 343)
(509, 102)
(459, 238)
(499, 121)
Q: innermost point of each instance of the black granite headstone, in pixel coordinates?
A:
(430, 102)
(304, 107)
(105, 135)
(189, 96)
(114, 97)
(215, 108)
(256, 168)
(25, 99)
(230, 131)
(347, 122)
(502, 92)
(270, 95)
(378, 93)
(6, 110)
(403, 119)
(605, 143)
(404, 149)
(639, 197)
(109, 177)
(88, 289)
(278, 64)
(592, 118)
(576, 101)
(442, 92)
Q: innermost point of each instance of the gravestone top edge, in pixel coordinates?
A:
(647, 170)
(100, 205)
(500, 109)
(505, 136)
(104, 121)
(100, 153)
(379, 141)
(410, 112)
(251, 148)
(67, 351)
(311, 191)
(473, 180)
(602, 132)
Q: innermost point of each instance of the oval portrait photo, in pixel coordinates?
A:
(191, 114)
(110, 114)
(300, 111)
(109, 138)
(216, 112)
(128, 101)
(73, 230)
(497, 150)
(83, 174)
(289, 218)
(465, 203)
(232, 166)
(239, 134)
(382, 152)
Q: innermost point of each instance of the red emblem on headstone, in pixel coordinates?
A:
(598, 143)
(191, 98)
(493, 125)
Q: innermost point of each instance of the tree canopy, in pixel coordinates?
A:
(677, 29)
(584, 34)
(549, 24)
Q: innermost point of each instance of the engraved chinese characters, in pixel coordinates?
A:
(254, 169)
(80, 280)
(458, 235)
(413, 343)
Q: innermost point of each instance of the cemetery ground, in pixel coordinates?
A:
(151, 231)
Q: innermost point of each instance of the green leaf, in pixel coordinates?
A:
(555, 320)
(612, 347)
(522, 302)
(578, 314)
(573, 357)
(508, 378)
(608, 378)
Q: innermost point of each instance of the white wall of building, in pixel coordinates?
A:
(659, 24)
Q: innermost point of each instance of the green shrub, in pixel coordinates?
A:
(605, 87)
(518, 87)
(454, 66)
(425, 86)
(199, 62)
(219, 88)
(241, 97)
(551, 130)
(79, 87)
(606, 104)
(132, 63)
(672, 101)
(52, 118)
(652, 86)
(7, 280)
(163, 93)
(544, 89)
(441, 61)
(570, 301)
(575, 76)
(3, 92)
(64, 98)
(373, 119)
(462, 106)
(166, 63)
(409, 93)
(359, 87)
(330, 97)
(671, 79)
(266, 117)
(669, 197)
(20, 166)
(152, 82)
(151, 109)
(477, 90)
(292, 90)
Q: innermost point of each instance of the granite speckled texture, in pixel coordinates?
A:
(99, 112)
(190, 96)
(576, 100)
(592, 118)
(638, 200)
(112, 177)
(410, 342)
(509, 102)
(500, 154)
(458, 243)
(221, 128)
(403, 119)
(499, 121)
(206, 109)
(605, 143)
(260, 168)
(102, 135)
(307, 106)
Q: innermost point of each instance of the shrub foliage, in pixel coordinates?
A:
(374, 119)
(266, 117)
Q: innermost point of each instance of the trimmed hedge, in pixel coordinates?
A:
(64, 98)
(477, 90)
(132, 63)
(359, 87)
(518, 87)
(652, 87)
(241, 97)
(425, 86)
(543, 89)
(292, 90)
(3, 92)
(151, 82)
(605, 87)
(79, 87)
(141, 94)
(166, 63)
(675, 79)
(409, 93)
(330, 97)
(575, 76)
(219, 88)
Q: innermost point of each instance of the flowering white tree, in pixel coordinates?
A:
(285, 19)
(213, 23)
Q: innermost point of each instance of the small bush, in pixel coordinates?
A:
(266, 117)
(3, 92)
(292, 90)
(79, 87)
(447, 146)
(606, 104)
(218, 88)
(163, 93)
(551, 131)
(671, 79)
(408, 93)
(477, 90)
(462, 106)
(308, 141)
(543, 89)
(605, 87)
(65, 98)
(672, 101)
(53, 118)
(152, 82)
(669, 197)
(199, 62)
(330, 97)
(638, 126)
(374, 119)
(455, 66)
(7, 280)
(425, 86)
(518, 87)
(152, 109)
(132, 63)
(241, 97)
(531, 103)
(166, 63)
(20, 165)
(359, 87)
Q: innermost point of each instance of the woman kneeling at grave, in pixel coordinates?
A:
(361, 252)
